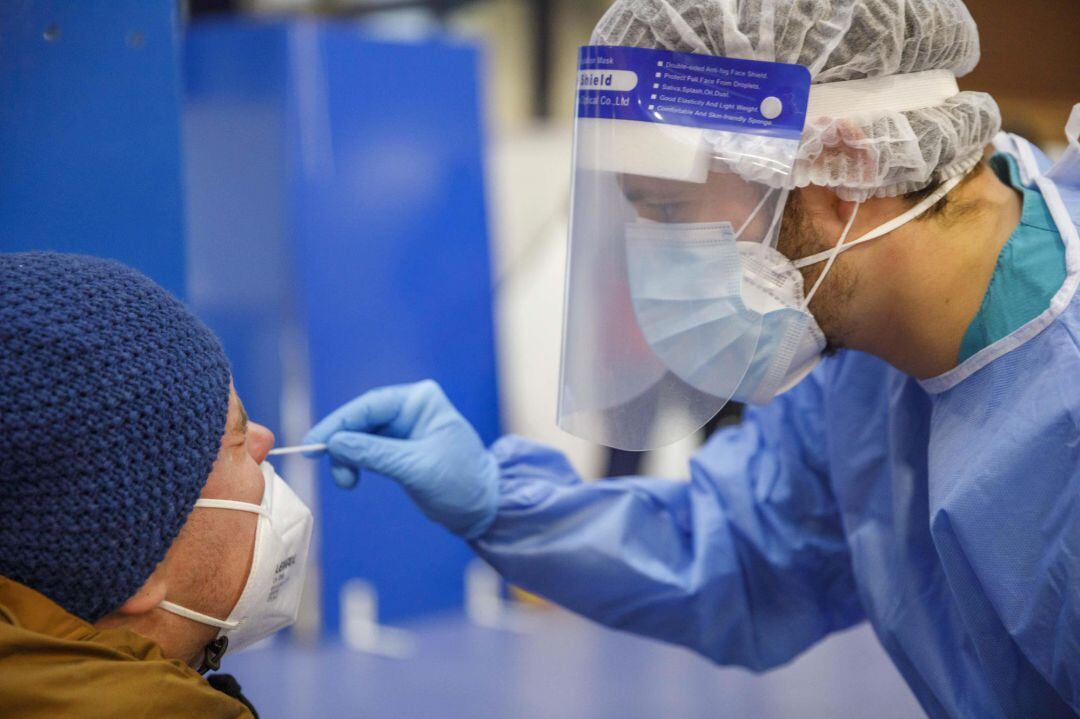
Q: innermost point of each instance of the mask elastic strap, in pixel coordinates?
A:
(833, 254)
(233, 504)
(778, 214)
(198, 616)
(888, 227)
(754, 214)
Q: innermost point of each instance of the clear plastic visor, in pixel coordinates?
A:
(657, 337)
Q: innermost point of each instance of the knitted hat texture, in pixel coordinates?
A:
(113, 399)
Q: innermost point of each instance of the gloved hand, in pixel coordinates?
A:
(412, 434)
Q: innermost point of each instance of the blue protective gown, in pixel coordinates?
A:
(946, 512)
(1029, 271)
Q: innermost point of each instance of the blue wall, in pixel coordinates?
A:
(317, 198)
(90, 131)
(352, 169)
(397, 279)
(237, 183)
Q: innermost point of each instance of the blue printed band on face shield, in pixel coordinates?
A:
(702, 91)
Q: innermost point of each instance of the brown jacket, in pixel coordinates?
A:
(53, 664)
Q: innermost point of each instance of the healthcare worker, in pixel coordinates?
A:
(923, 476)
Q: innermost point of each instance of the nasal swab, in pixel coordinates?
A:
(304, 448)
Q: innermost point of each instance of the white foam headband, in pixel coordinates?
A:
(892, 93)
(682, 153)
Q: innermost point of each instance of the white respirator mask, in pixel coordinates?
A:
(271, 597)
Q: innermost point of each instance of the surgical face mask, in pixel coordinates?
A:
(271, 597)
(734, 316)
(685, 285)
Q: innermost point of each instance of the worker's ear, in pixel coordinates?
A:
(825, 209)
(150, 594)
(842, 151)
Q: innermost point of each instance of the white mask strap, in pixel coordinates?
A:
(833, 254)
(233, 504)
(888, 227)
(754, 214)
(191, 613)
(197, 616)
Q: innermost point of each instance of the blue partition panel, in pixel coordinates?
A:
(353, 170)
(90, 133)
(237, 181)
(393, 257)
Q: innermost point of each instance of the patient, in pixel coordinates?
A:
(117, 414)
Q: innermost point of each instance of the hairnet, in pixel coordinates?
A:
(868, 153)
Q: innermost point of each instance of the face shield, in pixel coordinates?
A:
(679, 165)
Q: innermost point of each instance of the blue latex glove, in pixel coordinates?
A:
(412, 434)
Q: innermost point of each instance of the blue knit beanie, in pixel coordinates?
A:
(113, 399)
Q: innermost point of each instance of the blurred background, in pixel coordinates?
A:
(360, 192)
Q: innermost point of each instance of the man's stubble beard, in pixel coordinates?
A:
(801, 237)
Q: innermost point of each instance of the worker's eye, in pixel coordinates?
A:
(667, 211)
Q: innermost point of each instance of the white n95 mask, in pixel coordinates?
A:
(791, 341)
(271, 597)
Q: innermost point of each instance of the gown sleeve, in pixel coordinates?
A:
(746, 563)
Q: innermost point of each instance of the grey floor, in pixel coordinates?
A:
(565, 668)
